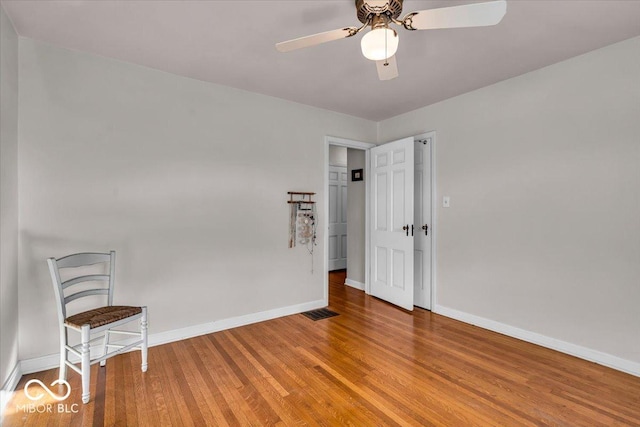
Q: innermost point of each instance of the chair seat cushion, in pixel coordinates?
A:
(102, 316)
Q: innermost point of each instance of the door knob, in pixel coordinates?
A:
(406, 228)
(426, 229)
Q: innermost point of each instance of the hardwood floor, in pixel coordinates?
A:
(372, 365)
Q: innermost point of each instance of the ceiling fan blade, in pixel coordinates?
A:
(316, 39)
(387, 68)
(467, 15)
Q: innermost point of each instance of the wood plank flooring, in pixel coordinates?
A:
(373, 365)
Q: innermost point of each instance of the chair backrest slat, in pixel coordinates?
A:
(86, 293)
(82, 259)
(87, 278)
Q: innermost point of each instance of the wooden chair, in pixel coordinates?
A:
(95, 321)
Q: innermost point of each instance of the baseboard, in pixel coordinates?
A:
(13, 378)
(37, 364)
(354, 284)
(232, 322)
(585, 353)
(50, 361)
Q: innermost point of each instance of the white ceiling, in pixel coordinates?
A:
(232, 43)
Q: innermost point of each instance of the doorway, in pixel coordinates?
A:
(346, 245)
(338, 207)
(419, 277)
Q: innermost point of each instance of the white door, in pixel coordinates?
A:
(337, 217)
(391, 254)
(423, 229)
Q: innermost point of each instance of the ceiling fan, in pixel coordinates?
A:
(381, 42)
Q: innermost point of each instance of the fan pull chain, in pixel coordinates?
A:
(386, 56)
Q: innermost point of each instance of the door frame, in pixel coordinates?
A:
(348, 143)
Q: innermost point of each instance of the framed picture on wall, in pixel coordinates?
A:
(356, 175)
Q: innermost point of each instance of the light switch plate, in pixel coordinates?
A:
(445, 202)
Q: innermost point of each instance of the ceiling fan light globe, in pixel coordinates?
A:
(379, 43)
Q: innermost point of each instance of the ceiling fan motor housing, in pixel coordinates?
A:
(368, 8)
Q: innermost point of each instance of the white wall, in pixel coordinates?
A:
(356, 199)
(543, 171)
(8, 197)
(186, 180)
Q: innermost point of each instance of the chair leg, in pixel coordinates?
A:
(85, 364)
(105, 348)
(143, 332)
(62, 374)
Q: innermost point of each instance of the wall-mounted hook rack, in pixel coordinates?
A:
(300, 197)
(302, 220)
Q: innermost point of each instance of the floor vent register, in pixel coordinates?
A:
(323, 313)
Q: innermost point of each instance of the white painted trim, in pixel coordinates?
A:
(50, 361)
(367, 222)
(349, 143)
(354, 284)
(434, 221)
(233, 322)
(13, 378)
(585, 353)
(37, 364)
(325, 217)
